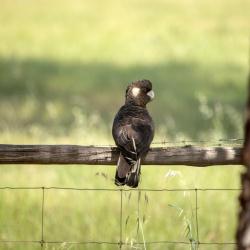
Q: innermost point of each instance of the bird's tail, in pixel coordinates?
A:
(121, 171)
(133, 177)
(127, 174)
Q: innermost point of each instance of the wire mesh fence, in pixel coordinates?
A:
(194, 243)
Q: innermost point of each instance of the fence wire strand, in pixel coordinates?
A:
(215, 142)
(218, 142)
(121, 218)
(42, 222)
(196, 218)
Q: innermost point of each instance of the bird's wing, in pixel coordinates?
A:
(134, 139)
(144, 132)
(125, 140)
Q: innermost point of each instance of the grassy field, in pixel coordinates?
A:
(64, 67)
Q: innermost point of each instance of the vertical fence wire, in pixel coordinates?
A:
(196, 220)
(42, 221)
(138, 215)
(121, 218)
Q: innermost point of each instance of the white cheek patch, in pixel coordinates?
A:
(135, 91)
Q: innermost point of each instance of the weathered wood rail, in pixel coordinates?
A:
(91, 155)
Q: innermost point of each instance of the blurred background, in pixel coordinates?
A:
(64, 68)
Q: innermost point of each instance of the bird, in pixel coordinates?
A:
(133, 132)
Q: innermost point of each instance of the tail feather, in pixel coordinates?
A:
(121, 171)
(133, 177)
(127, 174)
(119, 181)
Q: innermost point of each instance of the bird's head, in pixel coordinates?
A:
(139, 93)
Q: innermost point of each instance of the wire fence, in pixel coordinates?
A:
(194, 243)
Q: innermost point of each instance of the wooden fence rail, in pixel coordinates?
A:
(91, 155)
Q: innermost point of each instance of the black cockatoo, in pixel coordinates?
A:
(133, 132)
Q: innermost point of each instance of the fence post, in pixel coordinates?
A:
(243, 232)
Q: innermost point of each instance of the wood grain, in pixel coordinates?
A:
(90, 155)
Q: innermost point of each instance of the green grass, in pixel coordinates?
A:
(64, 67)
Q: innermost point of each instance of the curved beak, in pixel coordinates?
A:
(151, 94)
